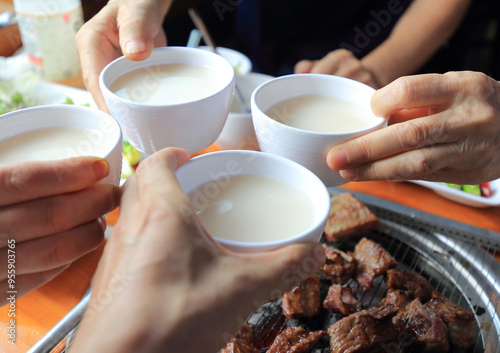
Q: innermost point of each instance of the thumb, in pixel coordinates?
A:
(139, 26)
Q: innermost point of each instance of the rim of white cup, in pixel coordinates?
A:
(254, 246)
(333, 78)
(145, 63)
(68, 107)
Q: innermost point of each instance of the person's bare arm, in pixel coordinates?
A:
(418, 35)
(420, 32)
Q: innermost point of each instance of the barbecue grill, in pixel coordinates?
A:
(454, 257)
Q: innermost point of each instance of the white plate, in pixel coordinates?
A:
(464, 197)
(54, 93)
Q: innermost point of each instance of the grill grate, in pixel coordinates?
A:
(455, 258)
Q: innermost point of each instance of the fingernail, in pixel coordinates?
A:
(337, 159)
(349, 174)
(101, 169)
(135, 47)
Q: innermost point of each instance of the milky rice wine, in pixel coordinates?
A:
(320, 114)
(167, 84)
(252, 209)
(53, 144)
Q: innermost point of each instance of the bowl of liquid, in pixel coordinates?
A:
(178, 97)
(54, 132)
(251, 201)
(238, 131)
(302, 116)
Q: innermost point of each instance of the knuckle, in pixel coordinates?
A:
(418, 164)
(364, 149)
(18, 180)
(53, 215)
(413, 134)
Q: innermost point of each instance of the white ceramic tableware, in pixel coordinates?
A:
(241, 63)
(309, 148)
(192, 125)
(102, 136)
(217, 170)
(238, 131)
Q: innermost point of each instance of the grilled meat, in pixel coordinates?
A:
(361, 332)
(304, 300)
(243, 341)
(395, 297)
(373, 260)
(342, 300)
(296, 340)
(424, 327)
(460, 322)
(415, 285)
(348, 218)
(339, 266)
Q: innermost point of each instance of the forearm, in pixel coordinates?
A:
(420, 32)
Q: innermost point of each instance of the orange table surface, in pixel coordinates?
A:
(43, 308)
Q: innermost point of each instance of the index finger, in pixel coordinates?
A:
(25, 181)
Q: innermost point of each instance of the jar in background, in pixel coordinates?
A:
(48, 29)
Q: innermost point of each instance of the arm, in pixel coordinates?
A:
(129, 27)
(51, 219)
(164, 285)
(419, 33)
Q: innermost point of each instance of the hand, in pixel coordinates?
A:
(163, 280)
(50, 215)
(339, 62)
(123, 27)
(442, 128)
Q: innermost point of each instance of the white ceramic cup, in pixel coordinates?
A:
(103, 132)
(238, 131)
(193, 125)
(308, 148)
(221, 166)
(241, 63)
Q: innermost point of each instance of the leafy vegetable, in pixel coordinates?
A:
(478, 190)
(18, 93)
(68, 100)
(131, 158)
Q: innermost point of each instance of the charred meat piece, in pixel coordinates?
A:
(348, 218)
(424, 327)
(339, 266)
(373, 260)
(243, 341)
(415, 284)
(396, 297)
(296, 340)
(304, 300)
(342, 300)
(361, 332)
(460, 322)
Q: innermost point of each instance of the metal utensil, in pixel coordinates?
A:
(207, 38)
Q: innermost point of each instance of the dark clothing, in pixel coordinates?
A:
(275, 34)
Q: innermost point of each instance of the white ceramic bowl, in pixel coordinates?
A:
(238, 131)
(225, 164)
(106, 133)
(240, 62)
(193, 125)
(308, 148)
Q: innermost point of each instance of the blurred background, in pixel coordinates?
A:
(275, 34)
